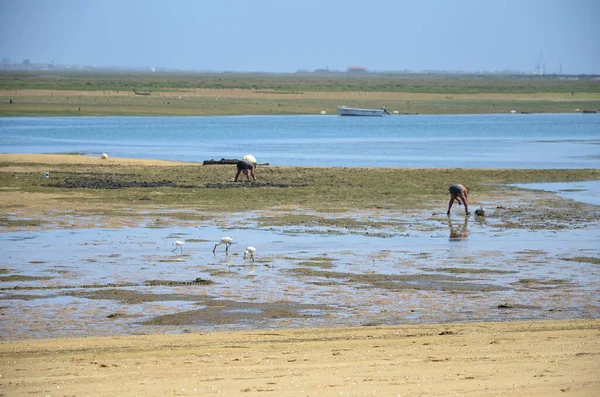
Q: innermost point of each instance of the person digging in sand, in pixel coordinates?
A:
(247, 166)
(459, 193)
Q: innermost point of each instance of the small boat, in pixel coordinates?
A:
(346, 111)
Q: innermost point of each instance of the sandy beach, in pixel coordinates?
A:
(480, 359)
(548, 353)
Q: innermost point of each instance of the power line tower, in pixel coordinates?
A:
(559, 66)
(540, 66)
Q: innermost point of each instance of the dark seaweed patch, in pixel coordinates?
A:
(233, 312)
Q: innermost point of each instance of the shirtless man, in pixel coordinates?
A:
(247, 167)
(459, 193)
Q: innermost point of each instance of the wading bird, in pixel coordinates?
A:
(250, 251)
(224, 240)
(178, 244)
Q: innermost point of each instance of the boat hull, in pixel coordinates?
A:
(345, 111)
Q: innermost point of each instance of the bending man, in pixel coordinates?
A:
(247, 167)
(459, 193)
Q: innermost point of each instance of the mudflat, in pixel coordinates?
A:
(111, 188)
(527, 357)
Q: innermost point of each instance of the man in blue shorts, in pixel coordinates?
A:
(459, 193)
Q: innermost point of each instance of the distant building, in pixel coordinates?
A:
(356, 69)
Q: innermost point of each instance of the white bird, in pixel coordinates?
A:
(178, 244)
(224, 240)
(250, 251)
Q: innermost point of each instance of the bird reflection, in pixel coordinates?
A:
(459, 232)
(226, 260)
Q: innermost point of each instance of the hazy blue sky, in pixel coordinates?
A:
(287, 35)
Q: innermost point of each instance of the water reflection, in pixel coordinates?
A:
(223, 259)
(458, 232)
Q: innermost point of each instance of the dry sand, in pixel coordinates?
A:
(78, 159)
(479, 359)
(342, 95)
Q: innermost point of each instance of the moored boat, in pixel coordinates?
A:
(346, 111)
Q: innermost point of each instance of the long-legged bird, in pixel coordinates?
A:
(250, 251)
(178, 244)
(224, 240)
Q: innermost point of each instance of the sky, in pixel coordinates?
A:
(285, 36)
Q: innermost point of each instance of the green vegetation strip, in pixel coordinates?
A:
(208, 189)
(53, 93)
(297, 82)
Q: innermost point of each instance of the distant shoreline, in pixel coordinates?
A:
(55, 94)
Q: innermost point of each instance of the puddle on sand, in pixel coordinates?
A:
(447, 270)
(584, 191)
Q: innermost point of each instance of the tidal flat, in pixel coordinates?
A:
(374, 247)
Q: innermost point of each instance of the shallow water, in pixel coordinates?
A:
(584, 191)
(443, 269)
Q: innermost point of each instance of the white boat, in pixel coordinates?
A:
(346, 111)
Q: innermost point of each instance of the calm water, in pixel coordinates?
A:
(429, 141)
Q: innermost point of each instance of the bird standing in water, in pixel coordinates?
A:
(250, 251)
(178, 244)
(224, 240)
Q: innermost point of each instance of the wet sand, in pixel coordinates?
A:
(203, 323)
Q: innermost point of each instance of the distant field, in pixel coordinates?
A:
(327, 82)
(81, 93)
